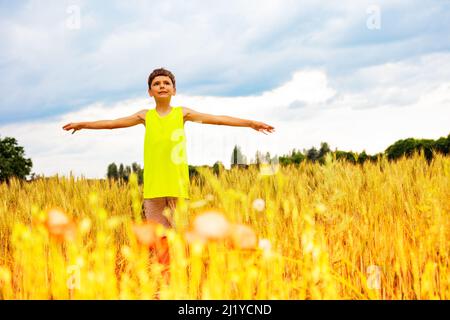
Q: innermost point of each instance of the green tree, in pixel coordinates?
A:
(324, 149)
(139, 172)
(12, 160)
(124, 172)
(347, 156)
(135, 167)
(363, 157)
(121, 172)
(112, 171)
(312, 154)
(193, 172)
(127, 173)
(408, 146)
(297, 156)
(237, 157)
(218, 168)
(258, 157)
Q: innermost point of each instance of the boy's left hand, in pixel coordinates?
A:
(261, 127)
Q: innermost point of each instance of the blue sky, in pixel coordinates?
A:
(225, 53)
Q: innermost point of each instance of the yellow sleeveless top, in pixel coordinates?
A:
(166, 172)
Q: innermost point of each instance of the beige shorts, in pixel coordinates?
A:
(154, 208)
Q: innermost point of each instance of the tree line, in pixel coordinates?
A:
(405, 147)
(13, 162)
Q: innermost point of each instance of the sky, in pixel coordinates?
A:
(358, 75)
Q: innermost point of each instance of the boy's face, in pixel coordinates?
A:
(162, 88)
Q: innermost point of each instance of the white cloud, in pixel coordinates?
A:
(231, 48)
(339, 116)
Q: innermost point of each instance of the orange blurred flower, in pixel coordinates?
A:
(60, 225)
(191, 237)
(213, 225)
(146, 234)
(243, 237)
(210, 225)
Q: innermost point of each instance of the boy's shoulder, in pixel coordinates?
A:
(142, 114)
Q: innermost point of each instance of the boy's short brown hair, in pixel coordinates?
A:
(161, 72)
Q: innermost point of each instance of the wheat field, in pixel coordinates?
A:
(334, 231)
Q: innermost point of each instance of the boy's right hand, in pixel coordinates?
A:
(73, 125)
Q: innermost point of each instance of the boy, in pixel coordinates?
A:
(166, 173)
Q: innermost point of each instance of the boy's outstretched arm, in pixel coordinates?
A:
(134, 119)
(192, 115)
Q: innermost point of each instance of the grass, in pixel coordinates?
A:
(337, 231)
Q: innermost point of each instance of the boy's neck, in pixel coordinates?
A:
(163, 105)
